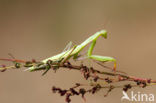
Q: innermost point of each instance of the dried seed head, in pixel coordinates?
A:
(108, 80)
(82, 91)
(96, 78)
(126, 87)
(17, 65)
(92, 70)
(68, 100)
(33, 61)
(62, 92)
(73, 91)
(143, 84)
(3, 66)
(149, 81)
(54, 89)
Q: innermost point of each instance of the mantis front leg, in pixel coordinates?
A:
(98, 57)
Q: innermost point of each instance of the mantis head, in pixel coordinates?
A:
(103, 33)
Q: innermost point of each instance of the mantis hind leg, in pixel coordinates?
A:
(98, 57)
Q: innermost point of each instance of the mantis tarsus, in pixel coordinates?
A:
(61, 58)
(74, 52)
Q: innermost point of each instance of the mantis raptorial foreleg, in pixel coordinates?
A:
(98, 57)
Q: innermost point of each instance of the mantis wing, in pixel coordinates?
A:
(68, 46)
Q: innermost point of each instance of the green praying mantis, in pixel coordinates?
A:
(75, 50)
(63, 57)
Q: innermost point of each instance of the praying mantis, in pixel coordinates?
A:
(75, 50)
(64, 56)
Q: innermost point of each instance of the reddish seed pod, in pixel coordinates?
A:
(68, 100)
(54, 89)
(3, 66)
(126, 87)
(74, 91)
(82, 91)
(96, 78)
(108, 80)
(92, 70)
(62, 92)
(149, 81)
(144, 84)
(3, 70)
(33, 61)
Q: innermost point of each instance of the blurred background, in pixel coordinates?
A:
(39, 29)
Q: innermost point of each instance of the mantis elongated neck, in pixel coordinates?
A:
(92, 38)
